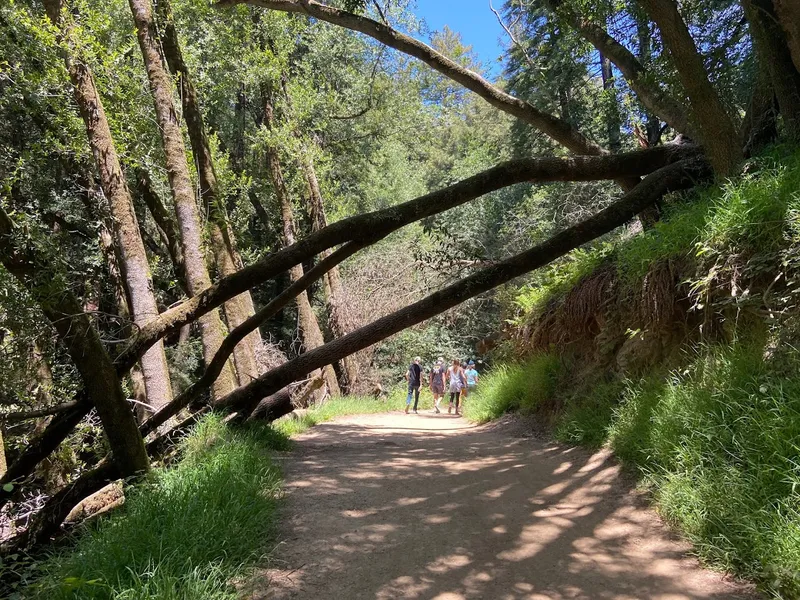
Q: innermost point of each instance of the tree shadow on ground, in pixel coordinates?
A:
(385, 510)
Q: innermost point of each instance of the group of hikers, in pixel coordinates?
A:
(459, 379)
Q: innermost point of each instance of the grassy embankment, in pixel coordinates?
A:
(193, 529)
(713, 427)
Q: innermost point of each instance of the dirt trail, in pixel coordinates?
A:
(428, 506)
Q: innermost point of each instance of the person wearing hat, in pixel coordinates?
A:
(437, 384)
(414, 378)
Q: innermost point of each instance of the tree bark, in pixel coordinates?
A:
(677, 176)
(83, 344)
(309, 326)
(165, 221)
(197, 277)
(651, 96)
(130, 249)
(773, 53)
(613, 119)
(378, 224)
(270, 310)
(789, 15)
(715, 127)
(760, 123)
(227, 258)
(644, 55)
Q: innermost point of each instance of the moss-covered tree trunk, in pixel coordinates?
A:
(309, 326)
(197, 277)
(223, 244)
(789, 15)
(76, 332)
(773, 50)
(129, 246)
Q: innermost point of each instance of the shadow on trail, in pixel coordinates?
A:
(391, 509)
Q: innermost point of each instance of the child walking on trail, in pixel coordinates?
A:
(437, 384)
(457, 378)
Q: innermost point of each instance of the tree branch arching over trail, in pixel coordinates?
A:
(240, 332)
(557, 129)
(375, 225)
(681, 175)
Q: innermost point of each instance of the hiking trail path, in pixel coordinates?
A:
(395, 506)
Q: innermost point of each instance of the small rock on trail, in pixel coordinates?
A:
(397, 506)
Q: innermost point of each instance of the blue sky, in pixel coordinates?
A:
(473, 20)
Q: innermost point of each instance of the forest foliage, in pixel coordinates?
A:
(230, 205)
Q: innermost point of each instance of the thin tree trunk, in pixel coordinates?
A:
(309, 326)
(645, 51)
(332, 280)
(83, 344)
(773, 51)
(165, 221)
(132, 256)
(239, 309)
(197, 278)
(717, 131)
(3, 463)
(613, 120)
(789, 15)
(760, 123)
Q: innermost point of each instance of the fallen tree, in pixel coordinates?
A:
(373, 226)
(681, 175)
(272, 385)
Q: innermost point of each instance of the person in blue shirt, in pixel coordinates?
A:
(472, 378)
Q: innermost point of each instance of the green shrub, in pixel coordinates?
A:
(718, 445)
(186, 531)
(517, 387)
(588, 413)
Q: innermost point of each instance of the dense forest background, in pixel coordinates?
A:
(252, 209)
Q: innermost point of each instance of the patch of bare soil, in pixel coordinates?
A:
(429, 506)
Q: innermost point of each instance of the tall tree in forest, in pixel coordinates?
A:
(307, 320)
(132, 257)
(334, 290)
(239, 309)
(716, 128)
(186, 208)
(772, 47)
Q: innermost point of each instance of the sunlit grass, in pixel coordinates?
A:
(515, 387)
(187, 532)
(301, 420)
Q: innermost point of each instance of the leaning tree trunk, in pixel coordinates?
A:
(116, 280)
(789, 15)
(309, 326)
(334, 292)
(716, 128)
(75, 330)
(239, 309)
(130, 249)
(773, 52)
(197, 277)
